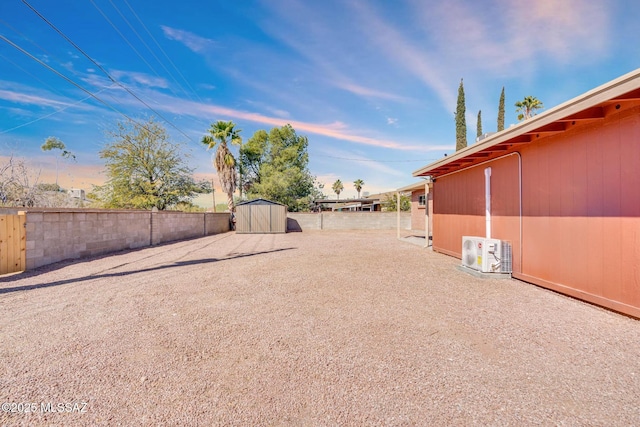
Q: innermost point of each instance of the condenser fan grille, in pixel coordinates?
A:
(469, 251)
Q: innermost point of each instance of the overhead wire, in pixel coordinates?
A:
(163, 51)
(124, 37)
(4, 58)
(151, 51)
(103, 70)
(52, 113)
(91, 94)
(124, 18)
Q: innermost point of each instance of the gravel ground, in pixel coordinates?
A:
(313, 328)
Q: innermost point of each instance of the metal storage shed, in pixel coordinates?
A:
(261, 216)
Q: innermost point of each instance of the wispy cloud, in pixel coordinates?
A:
(270, 109)
(336, 130)
(194, 42)
(139, 78)
(370, 92)
(400, 49)
(363, 162)
(25, 98)
(563, 29)
(510, 37)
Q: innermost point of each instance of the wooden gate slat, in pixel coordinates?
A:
(13, 243)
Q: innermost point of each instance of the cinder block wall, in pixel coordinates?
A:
(216, 223)
(351, 220)
(57, 235)
(170, 226)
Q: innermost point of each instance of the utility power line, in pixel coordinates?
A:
(163, 51)
(91, 94)
(148, 48)
(103, 70)
(53, 113)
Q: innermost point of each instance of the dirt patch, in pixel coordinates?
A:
(312, 328)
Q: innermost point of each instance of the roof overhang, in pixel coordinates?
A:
(592, 106)
(414, 187)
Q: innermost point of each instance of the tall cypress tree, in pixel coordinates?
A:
(461, 123)
(479, 132)
(501, 111)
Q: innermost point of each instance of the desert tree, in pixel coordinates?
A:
(53, 143)
(144, 168)
(275, 166)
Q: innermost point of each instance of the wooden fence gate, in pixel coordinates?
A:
(13, 243)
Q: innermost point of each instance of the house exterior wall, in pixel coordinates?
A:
(459, 207)
(580, 211)
(417, 212)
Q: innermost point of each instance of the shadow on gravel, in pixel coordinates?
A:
(64, 263)
(101, 275)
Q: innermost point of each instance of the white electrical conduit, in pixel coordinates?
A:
(515, 153)
(487, 201)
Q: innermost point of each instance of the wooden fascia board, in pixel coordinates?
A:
(595, 113)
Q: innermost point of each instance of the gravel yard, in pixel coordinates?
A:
(313, 328)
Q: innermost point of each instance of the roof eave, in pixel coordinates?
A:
(615, 88)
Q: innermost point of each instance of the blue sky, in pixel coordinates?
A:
(372, 84)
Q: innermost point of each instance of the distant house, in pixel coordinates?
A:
(421, 205)
(76, 193)
(563, 188)
(367, 204)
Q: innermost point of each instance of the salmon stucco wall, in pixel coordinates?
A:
(581, 202)
(417, 212)
(459, 207)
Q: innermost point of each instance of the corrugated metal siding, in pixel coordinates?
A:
(243, 219)
(261, 218)
(278, 219)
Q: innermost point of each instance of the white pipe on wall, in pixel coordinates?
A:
(487, 200)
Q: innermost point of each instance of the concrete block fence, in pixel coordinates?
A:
(57, 235)
(348, 221)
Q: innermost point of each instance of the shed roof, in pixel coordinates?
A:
(259, 201)
(591, 106)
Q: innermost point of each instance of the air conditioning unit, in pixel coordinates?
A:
(486, 255)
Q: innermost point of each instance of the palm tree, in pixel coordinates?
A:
(220, 133)
(338, 187)
(358, 184)
(527, 107)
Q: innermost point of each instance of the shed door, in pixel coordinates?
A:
(260, 219)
